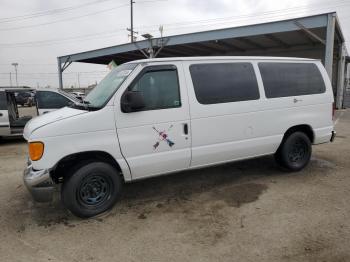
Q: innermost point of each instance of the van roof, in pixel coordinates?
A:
(202, 58)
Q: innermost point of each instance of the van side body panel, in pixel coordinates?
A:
(237, 130)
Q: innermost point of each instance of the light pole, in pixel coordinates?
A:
(15, 65)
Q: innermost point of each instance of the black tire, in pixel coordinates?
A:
(295, 152)
(92, 189)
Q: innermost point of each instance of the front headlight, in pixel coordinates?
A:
(36, 150)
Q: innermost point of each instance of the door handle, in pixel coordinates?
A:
(185, 125)
(297, 100)
(1, 114)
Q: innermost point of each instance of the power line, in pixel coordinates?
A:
(258, 15)
(272, 14)
(48, 12)
(50, 41)
(55, 73)
(76, 17)
(30, 64)
(64, 20)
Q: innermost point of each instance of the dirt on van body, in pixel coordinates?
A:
(243, 211)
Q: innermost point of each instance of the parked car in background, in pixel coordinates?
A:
(159, 116)
(25, 98)
(45, 100)
(52, 99)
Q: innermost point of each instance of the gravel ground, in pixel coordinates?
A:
(243, 211)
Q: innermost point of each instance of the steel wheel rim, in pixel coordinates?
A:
(94, 190)
(298, 151)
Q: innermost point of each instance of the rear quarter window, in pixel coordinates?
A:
(291, 79)
(3, 101)
(224, 82)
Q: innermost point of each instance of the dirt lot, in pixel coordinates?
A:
(245, 211)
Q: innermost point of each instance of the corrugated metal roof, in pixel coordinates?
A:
(257, 39)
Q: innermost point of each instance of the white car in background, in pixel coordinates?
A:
(45, 100)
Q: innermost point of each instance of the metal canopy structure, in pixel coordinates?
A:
(318, 37)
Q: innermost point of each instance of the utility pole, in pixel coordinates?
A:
(79, 79)
(15, 65)
(131, 29)
(10, 79)
(132, 20)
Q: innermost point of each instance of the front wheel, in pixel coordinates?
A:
(92, 189)
(295, 152)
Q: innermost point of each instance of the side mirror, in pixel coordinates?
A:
(132, 101)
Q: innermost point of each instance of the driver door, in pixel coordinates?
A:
(155, 140)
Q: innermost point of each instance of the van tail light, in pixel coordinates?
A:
(333, 110)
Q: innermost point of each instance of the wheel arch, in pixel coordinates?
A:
(64, 167)
(305, 128)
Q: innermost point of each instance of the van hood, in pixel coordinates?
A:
(48, 118)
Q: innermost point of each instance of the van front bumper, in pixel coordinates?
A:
(39, 184)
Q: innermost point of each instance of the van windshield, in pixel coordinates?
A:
(100, 95)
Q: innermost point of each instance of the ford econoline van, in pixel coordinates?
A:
(160, 116)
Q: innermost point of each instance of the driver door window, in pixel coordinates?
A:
(160, 89)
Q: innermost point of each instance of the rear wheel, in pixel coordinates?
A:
(92, 189)
(295, 152)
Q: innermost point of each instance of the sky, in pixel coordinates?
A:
(33, 33)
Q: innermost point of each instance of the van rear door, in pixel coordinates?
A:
(4, 119)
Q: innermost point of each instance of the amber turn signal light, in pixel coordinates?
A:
(36, 150)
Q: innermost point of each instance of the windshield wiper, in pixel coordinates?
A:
(84, 105)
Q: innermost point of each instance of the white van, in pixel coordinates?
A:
(159, 116)
(13, 119)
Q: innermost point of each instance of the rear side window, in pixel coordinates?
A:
(291, 79)
(52, 100)
(3, 101)
(224, 83)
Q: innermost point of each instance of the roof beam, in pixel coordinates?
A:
(175, 52)
(277, 40)
(230, 46)
(251, 43)
(208, 48)
(129, 57)
(309, 32)
(219, 47)
(308, 38)
(198, 50)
